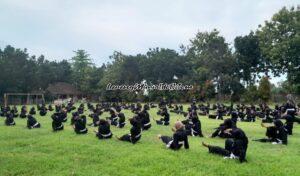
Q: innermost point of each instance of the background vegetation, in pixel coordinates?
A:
(215, 68)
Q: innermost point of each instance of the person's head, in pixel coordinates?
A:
(228, 123)
(278, 123)
(75, 114)
(178, 125)
(146, 107)
(234, 115)
(134, 122)
(102, 122)
(112, 111)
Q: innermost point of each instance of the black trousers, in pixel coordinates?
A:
(84, 131)
(222, 151)
(166, 139)
(147, 127)
(128, 138)
(161, 122)
(57, 126)
(103, 137)
(125, 137)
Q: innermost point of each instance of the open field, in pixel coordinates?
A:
(43, 152)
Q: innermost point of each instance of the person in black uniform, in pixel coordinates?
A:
(80, 109)
(121, 118)
(80, 125)
(50, 108)
(220, 131)
(3, 111)
(32, 122)
(57, 122)
(196, 127)
(135, 132)
(75, 115)
(166, 119)
(64, 115)
(235, 148)
(179, 138)
(289, 116)
(276, 134)
(145, 118)
(23, 113)
(32, 111)
(9, 120)
(193, 124)
(113, 117)
(15, 111)
(43, 110)
(95, 117)
(103, 130)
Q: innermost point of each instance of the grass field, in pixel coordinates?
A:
(43, 152)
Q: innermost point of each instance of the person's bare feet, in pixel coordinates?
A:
(205, 144)
(159, 136)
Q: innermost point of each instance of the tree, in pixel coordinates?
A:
(248, 57)
(81, 70)
(210, 58)
(279, 41)
(264, 89)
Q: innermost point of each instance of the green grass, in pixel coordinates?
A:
(43, 152)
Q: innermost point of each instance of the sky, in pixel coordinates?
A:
(56, 28)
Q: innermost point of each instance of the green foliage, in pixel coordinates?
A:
(264, 89)
(279, 40)
(251, 94)
(22, 73)
(81, 70)
(248, 56)
(207, 62)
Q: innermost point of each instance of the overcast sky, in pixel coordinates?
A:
(56, 28)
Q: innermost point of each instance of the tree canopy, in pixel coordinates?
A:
(215, 68)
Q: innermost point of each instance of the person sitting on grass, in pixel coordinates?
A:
(235, 148)
(135, 132)
(289, 116)
(103, 130)
(32, 111)
(220, 131)
(57, 124)
(145, 118)
(50, 108)
(43, 110)
(80, 109)
(3, 111)
(9, 120)
(113, 117)
(179, 138)
(276, 134)
(121, 118)
(15, 111)
(95, 117)
(193, 124)
(32, 122)
(80, 125)
(74, 116)
(23, 113)
(166, 117)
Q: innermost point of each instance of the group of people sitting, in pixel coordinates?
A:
(236, 142)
